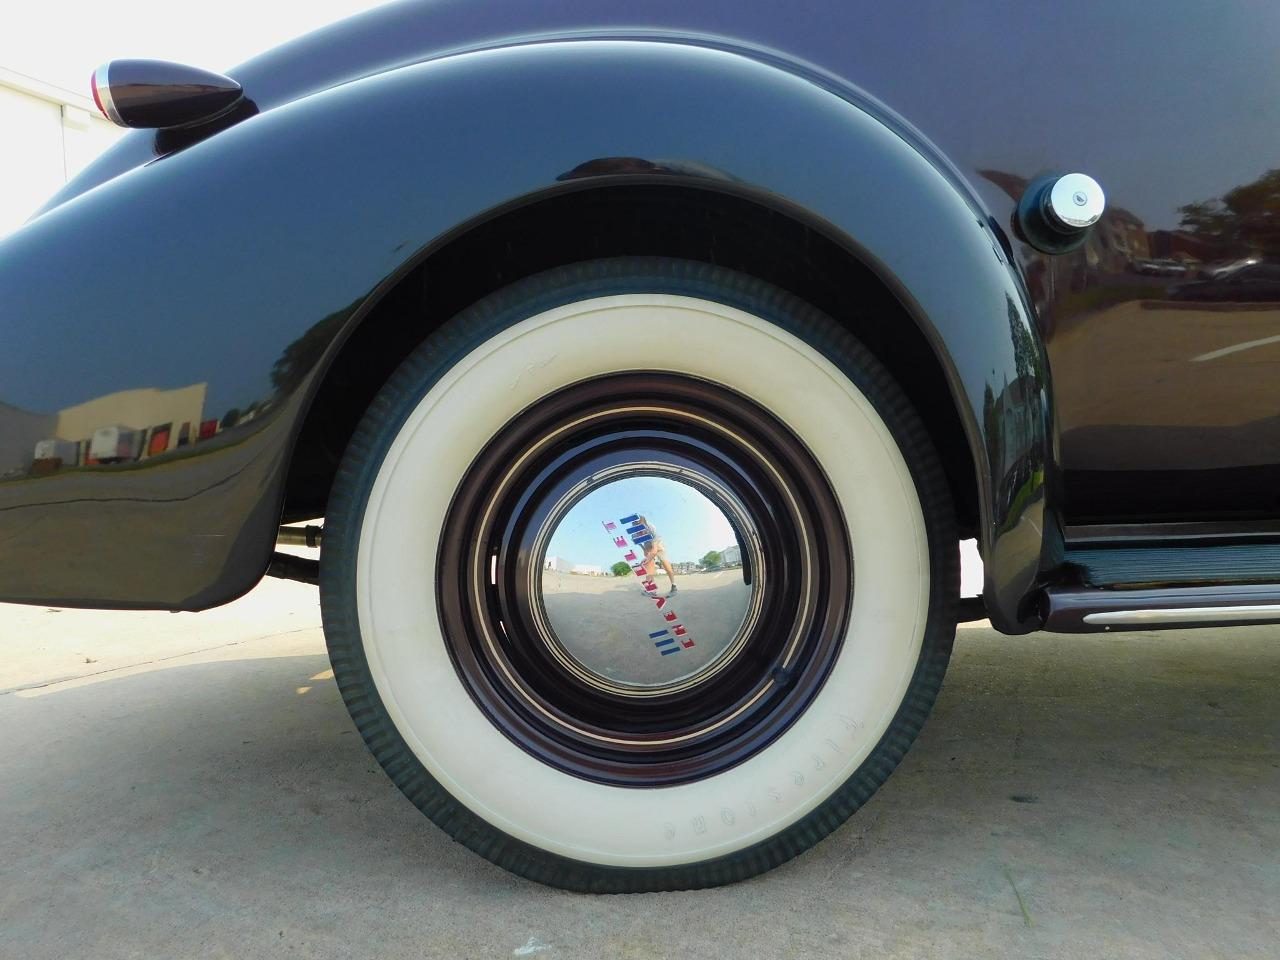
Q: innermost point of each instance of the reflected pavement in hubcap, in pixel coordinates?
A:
(649, 580)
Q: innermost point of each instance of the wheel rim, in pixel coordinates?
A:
(657, 435)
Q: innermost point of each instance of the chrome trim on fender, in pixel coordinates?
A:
(1080, 609)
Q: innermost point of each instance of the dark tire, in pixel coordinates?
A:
(433, 623)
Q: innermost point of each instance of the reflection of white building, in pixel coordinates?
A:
(589, 569)
(731, 554)
(130, 424)
(558, 564)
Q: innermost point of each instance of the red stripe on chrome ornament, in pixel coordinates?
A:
(100, 84)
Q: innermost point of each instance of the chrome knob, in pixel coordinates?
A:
(1075, 201)
(1056, 212)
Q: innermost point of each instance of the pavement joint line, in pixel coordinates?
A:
(145, 663)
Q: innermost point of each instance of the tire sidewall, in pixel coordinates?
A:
(532, 338)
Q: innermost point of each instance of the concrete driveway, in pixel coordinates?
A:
(190, 786)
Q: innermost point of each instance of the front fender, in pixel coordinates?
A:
(239, 265)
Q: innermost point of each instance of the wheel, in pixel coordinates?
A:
(506, 530)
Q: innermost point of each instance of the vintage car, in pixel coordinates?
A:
(647, 363)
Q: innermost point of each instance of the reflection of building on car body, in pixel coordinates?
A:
(120, 427)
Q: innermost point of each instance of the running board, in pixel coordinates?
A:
(1177, 565)
(1090, 610)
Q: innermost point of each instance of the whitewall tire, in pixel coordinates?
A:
(604, 368)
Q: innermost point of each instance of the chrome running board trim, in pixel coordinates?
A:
(1093, 610)
(1269, 611)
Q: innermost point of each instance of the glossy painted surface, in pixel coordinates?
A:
(1164, 384)
(260, 322)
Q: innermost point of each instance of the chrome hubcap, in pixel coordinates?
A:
(650, 579)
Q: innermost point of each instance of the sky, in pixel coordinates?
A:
(687, 521)
(62, 41)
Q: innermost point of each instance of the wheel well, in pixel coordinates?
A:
(646, 220)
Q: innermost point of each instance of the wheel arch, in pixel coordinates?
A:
(626, 218)
(966, 303)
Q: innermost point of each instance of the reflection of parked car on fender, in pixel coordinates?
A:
(1220, 271)
(1160, 268)
(453, 294)
(1258, 283)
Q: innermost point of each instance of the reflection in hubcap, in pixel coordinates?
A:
(649, 581)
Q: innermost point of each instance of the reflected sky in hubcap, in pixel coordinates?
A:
(648, 581)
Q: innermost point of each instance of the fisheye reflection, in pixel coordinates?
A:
(643, 582)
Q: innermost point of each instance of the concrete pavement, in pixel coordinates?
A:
(190, 786)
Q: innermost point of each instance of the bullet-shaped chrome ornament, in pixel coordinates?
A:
(157, 94)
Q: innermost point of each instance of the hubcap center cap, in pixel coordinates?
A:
(649, 579)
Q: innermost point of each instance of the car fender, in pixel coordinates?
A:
(213, 264)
